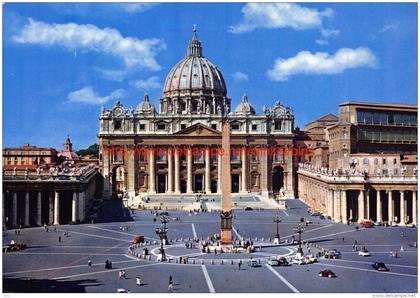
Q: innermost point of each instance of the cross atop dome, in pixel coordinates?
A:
(194, 48)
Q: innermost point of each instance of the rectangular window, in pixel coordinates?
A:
(161, 126)
(183, 126)
(277, 125)
(142, 127)
(214, 126)
(254, 127)
(117, 125)
(235, 126)
(384, 161)
(395, 161)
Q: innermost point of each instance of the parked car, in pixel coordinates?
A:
(248, 208)
(332, 254)
(138, 239)
(253, 263)
(327, 273)
(283, 261)
(316, 213)
(308, 221)
(310, 259)
(379, 266)
(299, 261)
(164, 213)
(367, 224)
(273, 261)
(364, 253)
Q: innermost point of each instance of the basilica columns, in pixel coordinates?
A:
(152, 175)
(74, 207)
(344, 206)
(403, 209)
(81, 205)
(14, 207)
(378, 206)
(244, 172)
(189, 171)
(390, 207)
(219, 173)
(26, 220)
(56, 208)
(170, 172)
(367, 204)
(39, 209)
(177, 174)
(414, 207)
(361, 206)
(208, 169)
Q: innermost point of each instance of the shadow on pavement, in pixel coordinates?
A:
(26, 285)
(109, 211)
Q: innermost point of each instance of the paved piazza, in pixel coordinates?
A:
(51, 266)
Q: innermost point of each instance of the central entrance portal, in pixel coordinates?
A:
(161, 183)
(235, 183)
(198, 182)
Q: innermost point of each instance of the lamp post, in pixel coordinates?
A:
(299, 229)
(161, 232)
(164, 220)
(277, 220)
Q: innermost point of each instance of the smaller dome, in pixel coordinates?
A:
(145, 107)
(245, 108)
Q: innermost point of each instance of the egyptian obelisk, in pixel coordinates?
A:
(226, 212)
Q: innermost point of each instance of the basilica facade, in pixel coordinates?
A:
(194, 103)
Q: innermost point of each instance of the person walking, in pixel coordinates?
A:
(59, 239)
(239, 264)
(138, 280)
(120, 274)
(89, 263)
(170, 284)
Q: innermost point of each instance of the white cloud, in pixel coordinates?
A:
(390, 26)
(150, 83)
(326, 35)
(135, 7)
(321, 63)
(240, 77)
(134, 52)
(88, 96)
(279, 15)
(321, 42)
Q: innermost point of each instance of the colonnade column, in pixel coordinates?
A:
(14, 209)
(344, 206)
(152, 176)
(177, 180)
(378, 206)
(26, 220)
(403, 210)
(56, 208)
(208, 169)
(189, 171)
(330, 203)
(390, 208)
(337, 205)
(361, 206)
(244, 172)
(74, 207)
(82, 205)
(39, 209)
(414, 207)
(219, 173)
(367, 205)
(170, 171)
(50, 207)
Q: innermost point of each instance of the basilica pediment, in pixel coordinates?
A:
(199, 129)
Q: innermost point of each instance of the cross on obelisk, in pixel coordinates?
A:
(226, 213)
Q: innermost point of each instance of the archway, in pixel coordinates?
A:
(278, 179)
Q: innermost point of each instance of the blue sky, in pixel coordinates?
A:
(61, 62)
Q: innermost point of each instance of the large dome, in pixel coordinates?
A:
(194, 74)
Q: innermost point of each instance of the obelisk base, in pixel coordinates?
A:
(226, 237)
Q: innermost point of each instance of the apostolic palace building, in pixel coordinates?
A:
(359, 165)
